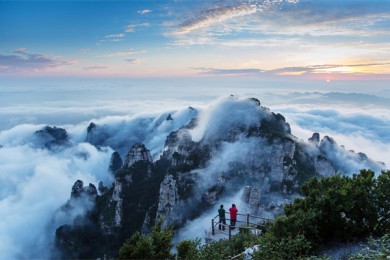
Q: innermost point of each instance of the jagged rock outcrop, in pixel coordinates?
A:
(96, 135)
(51, 137)
(109, 224)
(168, 199)
(252, 198)
(101, 188)
(138, 152)
(78, 190)
(169, 117)
(323, 166)
(279, 159)
(315, 139)
(115, 162)
(345, 161)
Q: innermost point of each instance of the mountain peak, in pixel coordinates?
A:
(138, 152)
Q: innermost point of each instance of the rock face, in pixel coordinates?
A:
(78, 190)
(252, 196)
(137, 153)
(323, 166)
(315, 139)
(115, 163)
(168, 199)
(51, 137)
(96, 135)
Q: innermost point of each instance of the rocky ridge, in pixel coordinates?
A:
(255, 154)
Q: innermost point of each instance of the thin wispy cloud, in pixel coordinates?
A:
(298, 70)
(24, 61)
(121, 53)
(133, 61)
(220, 14)
(230, 71)
(95, 67)
(215, 15)
(133, 27)
(118, 35)
(145, 11)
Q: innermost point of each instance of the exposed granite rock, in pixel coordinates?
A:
(323, 166)
(115, 162)
(101, 188)
(211, 197)
(116, 197)
(111, 220)
(169, 117)
(94, 136)
(315, 139)
(257, 102)
(347, 162)
(168, 199)
(277, 160)
(252, 198)
(51, 137)
(148, 223)
(138, 152)
(78, 190)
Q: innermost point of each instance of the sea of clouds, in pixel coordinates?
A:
(35, 182)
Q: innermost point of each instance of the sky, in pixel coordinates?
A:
(315, 39)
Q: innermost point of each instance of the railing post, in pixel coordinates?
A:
(247, 219)
(212, 227)
(230, 232)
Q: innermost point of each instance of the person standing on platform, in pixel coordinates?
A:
(233, 215)
(222, 218)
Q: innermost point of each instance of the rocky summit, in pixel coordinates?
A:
(236, 148)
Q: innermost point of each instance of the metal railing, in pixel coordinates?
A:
(249, 224)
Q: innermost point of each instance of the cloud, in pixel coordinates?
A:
(298, 70)
(129, 28)
(306, 20)
(121, 53)
(224, 114)
(132, 27)
(112, 38)
(118, 35)
(215, 15)
(133, 61)
(97, 67)
(24, 61)
(230, 71)
(145, 11)
(223, 13)
(34, 184)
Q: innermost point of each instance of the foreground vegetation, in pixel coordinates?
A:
(337, 208)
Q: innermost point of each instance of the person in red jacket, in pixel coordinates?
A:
(233, 215)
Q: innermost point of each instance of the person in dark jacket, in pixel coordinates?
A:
(222, 218)
(233, 215)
